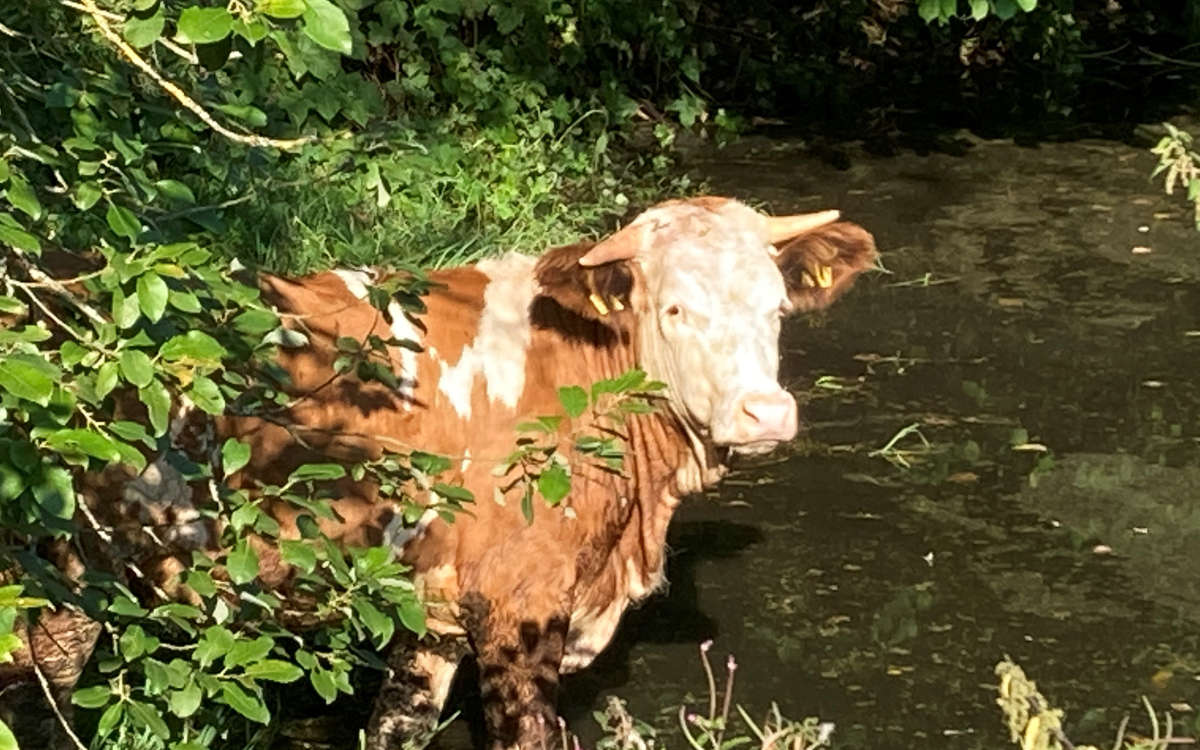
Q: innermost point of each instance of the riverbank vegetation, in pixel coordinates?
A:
(151, 149)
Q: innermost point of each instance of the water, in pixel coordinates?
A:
(1016, 314)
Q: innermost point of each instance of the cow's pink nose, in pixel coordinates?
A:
(767, 416)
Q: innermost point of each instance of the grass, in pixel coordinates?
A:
(449, 200)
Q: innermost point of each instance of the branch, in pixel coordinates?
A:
(66, 725)
(102, 23)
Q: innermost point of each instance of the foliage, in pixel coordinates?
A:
(1179, 164)
(1034, 724)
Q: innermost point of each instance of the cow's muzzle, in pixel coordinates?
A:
(760, 421)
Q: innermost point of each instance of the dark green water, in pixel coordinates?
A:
(879, 597)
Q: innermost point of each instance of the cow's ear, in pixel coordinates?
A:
(819, 265)
(593, 292)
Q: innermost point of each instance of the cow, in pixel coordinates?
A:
(692, 291)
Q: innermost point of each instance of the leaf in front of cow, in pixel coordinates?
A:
(206, 395)
(256, 321)
(55, 493)
(286, 337)
(554, 484)
(123, 221)
(234, 455)
(158, 405)
(10, 305)
(85, 441)
(298, 553)
(379, 625)
(124, 309)
(193, 346)
(454, 492)
(92, 697)
(412, 615)
(574, 400)
(244, 702)
(28, 377)
(242, 562)
(213, 645)
(317, 472)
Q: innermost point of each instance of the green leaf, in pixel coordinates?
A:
(248, 114)
(574, 400)
(326, 24)
(309, 472)
(149, 718)
(298, 553)
(158, 405)
(87, 194)
(274, 670)
(183, 703)
(193, 345)
(123, 221)
(245, 703)
(84, 441)
(106, 379)
(14, 234)
(234, 455)
(142, 31)
(176, 191)
(152, 295)
(55, 492)
(22, 197)
(125, 310)
(10, 305)
(136, 367)
(1027, 5)
(26, 377)
(412, 615)
(282, 8)
(183, 301)
(380, 625)
(242, 562)
(979, 9)
(248, 651)
(256, 322)
(93, 697)
(7, 740)
(1004, 9)
(206, 395)
(554, 483)
(109, 719)
(323, 682)
(203, 25)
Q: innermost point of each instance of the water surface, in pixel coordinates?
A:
(1055, 515)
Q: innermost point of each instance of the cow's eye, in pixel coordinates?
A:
(672, 311)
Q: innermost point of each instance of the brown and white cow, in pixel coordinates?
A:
(692, 291)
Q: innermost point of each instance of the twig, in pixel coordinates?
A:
(66, 725)
(43, 279)
(102, 23)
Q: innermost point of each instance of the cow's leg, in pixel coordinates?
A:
(414, 690)
(518, 674)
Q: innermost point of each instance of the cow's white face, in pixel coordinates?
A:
(714, 292)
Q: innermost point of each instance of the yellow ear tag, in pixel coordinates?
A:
(806, 279)
(825, 277)
(616, 303)
(598, 304)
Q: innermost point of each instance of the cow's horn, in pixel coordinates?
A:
(624, 245)
(783, 228)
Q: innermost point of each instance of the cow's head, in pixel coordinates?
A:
(708, 281)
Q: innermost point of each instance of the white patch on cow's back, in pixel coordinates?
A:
(401, 327)
(498, 351)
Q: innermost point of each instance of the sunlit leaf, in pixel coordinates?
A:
(326, 24)
(203, 25)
